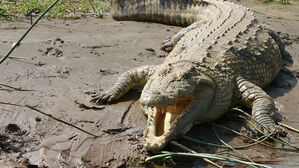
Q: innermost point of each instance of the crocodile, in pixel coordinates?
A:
(223, 57)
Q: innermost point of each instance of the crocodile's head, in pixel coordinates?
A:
(174, 98)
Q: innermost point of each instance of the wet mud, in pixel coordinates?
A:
(61, 64)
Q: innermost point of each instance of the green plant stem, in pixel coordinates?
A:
(277, 139)
(192, 151)
(28, 30)
(205, 155)
(230, 147)
(256, 142)
(93, 8)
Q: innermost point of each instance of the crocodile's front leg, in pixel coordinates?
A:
(263, 108)
(133, 78)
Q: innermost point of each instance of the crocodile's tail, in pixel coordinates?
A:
(172, 12)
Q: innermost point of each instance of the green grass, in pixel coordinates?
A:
(281, 1)
(64, 9)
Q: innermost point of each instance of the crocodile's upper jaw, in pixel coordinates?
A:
(162, 123)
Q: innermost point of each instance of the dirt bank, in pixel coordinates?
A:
(61, 63)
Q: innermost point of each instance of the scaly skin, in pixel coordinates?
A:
(223, 58)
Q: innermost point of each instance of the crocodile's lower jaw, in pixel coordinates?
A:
(162, 123)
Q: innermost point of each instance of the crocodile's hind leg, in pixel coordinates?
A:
(133, 78)
(170, 42)
(263, 109)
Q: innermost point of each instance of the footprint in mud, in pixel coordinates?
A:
(52, 51)
(97, 49)
(55, 49)
(12, 128)
(288, 39)
(56, 42)
(105, 72)
(48, 71)
(11, 138)
(96, 53)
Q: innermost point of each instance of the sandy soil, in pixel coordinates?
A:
(61, 63)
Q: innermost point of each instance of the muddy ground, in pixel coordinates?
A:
(61, 63)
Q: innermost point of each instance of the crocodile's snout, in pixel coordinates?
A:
(155, 98)
(146, 99)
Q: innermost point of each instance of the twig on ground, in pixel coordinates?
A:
(15, 88)
(289, 127)
(49, 115)
(14, 57)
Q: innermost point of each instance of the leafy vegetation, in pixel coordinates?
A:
(281, 1)
(64, 9)
(3, 10)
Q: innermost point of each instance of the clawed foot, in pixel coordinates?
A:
(274, 130)
(272, 127)
(167, 45)
(170, 42)
(103, 98)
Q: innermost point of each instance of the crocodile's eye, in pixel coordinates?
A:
(186, 75)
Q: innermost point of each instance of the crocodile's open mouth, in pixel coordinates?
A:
(162, 120)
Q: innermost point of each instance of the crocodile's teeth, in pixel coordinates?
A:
(168, 121)
(151, 126)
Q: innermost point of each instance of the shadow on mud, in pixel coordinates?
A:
(283, 84)
(286, 80)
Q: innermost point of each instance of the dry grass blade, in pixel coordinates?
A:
(230, 147)
(15, 88)
(255, 142)
(260, 161)
(258, 141)
(202, 142)
(192, 151)
(276, 139)
(204, 155)
(289, 127)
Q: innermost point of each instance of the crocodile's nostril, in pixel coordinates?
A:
(145, 99)
(150, 98)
